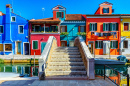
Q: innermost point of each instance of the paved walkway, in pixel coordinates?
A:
(36, 82)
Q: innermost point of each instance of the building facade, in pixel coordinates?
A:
(13, 33)
(125, 34)
(103, 31)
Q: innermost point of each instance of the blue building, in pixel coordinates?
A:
(14, 37)
(71, 23)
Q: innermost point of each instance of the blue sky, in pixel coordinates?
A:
(33, 8)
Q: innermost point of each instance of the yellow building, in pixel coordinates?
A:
(125, 34)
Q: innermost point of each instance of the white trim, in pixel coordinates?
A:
(3, 29)
(23, 47)
(4, 47)
(37, 45)
(104, 17)
(128, 26)
(58, 9)
(11, 18)
(19, 29)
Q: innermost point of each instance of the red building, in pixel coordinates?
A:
(103, 31)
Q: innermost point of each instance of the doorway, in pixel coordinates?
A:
(18, 47)
(63, 43)
(106, 47)
(43, 44)
(26, 48)
(91, 47)
(71, 43)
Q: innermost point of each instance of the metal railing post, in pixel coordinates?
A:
(127, 79)
(104, 72)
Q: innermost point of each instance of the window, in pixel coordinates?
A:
(21, 28)
(113, 27)
(99, 44)
(13, 19)
(125, 44)
(114, 44)
(126, 26)
(37, 28)
(106, 27)
(82, 29)
(1, 29)
(8, 47)
(105, 10)
(60, 15)
(54, 28)
(1, 47)
(35, 44)
(93, 26)
(46, 29)
(63, 28)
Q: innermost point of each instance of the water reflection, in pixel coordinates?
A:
(25, 70)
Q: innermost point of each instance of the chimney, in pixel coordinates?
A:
(8, 6)
(0, 13)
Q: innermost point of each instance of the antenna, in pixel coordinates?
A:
(43, 9)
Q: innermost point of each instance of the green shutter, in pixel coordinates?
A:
(116, 26)
(96, 45)
(103, 26)
(43, 44)
(101, 44)
(35, 44)
(110, 26)
(111, 44)
(103, 10)
(50, 28)
(57, 14)
(56, 29)
(95, 26)
(90, 27)
(116, 44)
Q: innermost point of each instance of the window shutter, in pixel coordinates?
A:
(101, 44)
(108, 10)
(110, 26)
(116, 26)
(65, 28)
(50, 28)
(79, 29)
(96, 44)
(33, 44)
(62, 14)
(90, 27)
(111, 44)
(103, 26)
(116, 44)
(57, 14)
(103, 10)
(95, 26)
(56, 29)
(84, 28)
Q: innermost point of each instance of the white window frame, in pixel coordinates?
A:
(59, 17)
(93, 27)
(115, 27)
(99, 44)
(3, 29)
(37, 45)
(127, 45)
(128, 26)
(19, 29)
(4, 47)
(105, 26)
(11, 18)
(113, 44)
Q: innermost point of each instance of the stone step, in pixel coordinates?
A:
(65, 68)
(66, 50)
(66, 56)
(52, 73)
(65, 64)
(66, 53)
(66, 59)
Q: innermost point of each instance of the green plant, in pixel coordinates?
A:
(64, 33)
(81, 33)
(1, 61)
(42, 31)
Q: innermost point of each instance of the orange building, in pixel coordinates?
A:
(103, 31)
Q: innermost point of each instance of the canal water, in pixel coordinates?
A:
(28, 70)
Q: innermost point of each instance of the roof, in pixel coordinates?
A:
(75, 17)
(58, 6)
(106, 3)
(45, 20)
(103, 14)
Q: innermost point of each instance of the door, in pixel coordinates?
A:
(26, 48)
(18, 47)
(71, 43)
(91, 47)
(63, 43)
(43, 44)
(106, 47)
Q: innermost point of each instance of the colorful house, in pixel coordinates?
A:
(103, 31)
(13, 33)
(125, 34)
